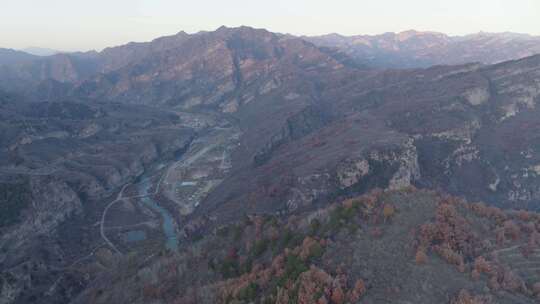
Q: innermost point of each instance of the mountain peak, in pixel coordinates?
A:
(10, 57)
(241, 29)
(406, 35)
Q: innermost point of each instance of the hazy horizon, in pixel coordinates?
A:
(81, 26)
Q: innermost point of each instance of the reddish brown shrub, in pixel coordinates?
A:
(481, 265)
(504, 278)
(420, 257)
(446, 212)
(311, 283)
(450, 256)
(524, 215)
(357, 292)
(427, 233)
(338, 297)
(388, 211)
(480, 209)
(511, 229)
(308, 247)
(349, 203)
(450, 235)
(497, 214)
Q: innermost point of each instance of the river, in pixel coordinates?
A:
(168, 223)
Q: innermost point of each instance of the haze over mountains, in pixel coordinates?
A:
(409, 49)
(39, 51)
(195, 166)
(412, 49)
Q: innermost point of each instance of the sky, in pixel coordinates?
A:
(71, 25)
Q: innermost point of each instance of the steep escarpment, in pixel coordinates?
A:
(297, 126)
(464, 126)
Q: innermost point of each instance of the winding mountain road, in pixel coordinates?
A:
(119, 197)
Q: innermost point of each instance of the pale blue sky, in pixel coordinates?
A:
(95, 24)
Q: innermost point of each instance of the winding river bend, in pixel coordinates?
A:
(197, 150)
(168, 223)
(144, 188)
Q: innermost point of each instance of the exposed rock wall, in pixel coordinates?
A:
(298, 125)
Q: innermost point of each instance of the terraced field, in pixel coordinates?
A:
(526, 267)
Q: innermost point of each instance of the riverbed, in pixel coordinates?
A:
(168, 223)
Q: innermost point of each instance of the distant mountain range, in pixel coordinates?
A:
(412, 49)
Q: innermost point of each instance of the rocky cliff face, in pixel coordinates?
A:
(297, 126)
(393, 167)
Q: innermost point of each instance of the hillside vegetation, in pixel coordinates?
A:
(407, 246)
